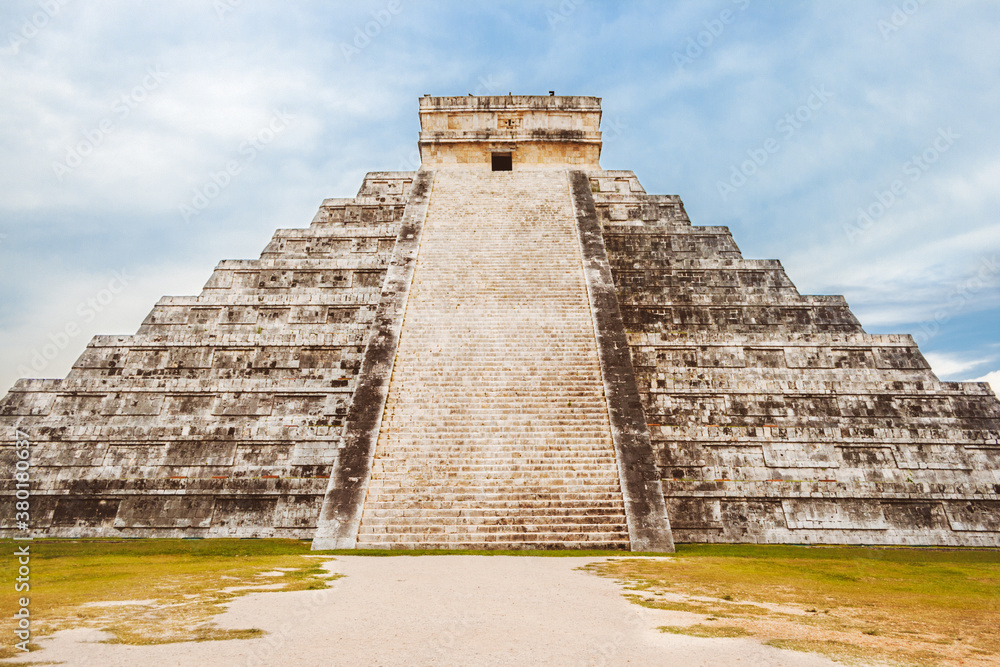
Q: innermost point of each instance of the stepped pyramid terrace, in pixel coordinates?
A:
(510, 347)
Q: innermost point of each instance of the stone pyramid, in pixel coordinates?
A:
(509, 348)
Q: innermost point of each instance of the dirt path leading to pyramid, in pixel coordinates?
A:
(439, 610)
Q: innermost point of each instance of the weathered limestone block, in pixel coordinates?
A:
(185, 406)
(165, 511)
(841, 514)
(974, 515)
(744, 380)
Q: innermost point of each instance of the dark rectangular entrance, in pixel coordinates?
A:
(502, 162)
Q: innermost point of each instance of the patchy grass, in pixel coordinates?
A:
(152, 591)
(710, 631)
(844, 652)
(901, 606)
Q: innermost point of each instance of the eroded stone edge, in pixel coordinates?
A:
(645, 509)
(344, 501)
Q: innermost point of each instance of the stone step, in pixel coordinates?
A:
(559, 372)
(447, 466)
(479, 443)
(533, 429)
(568, 448)
(554, 537)
(494, 465)
(446, 484)
(580, 459)
(561, 408)
(516, 486)
(487, 476)
(489, 496)
(440, 390)
(476, 527)
(515, 434)
(493, 380)
(443, 466)
(499, 421)
(407, 523)
(512, 364)
(495, 544)
(488, 465)
(598, 514)
(431, 382)
(528, 504)
(428, 459)
(563, 405)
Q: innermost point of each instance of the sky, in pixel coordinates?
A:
(142, 142)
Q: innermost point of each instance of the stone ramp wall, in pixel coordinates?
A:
(774, 417)
(222, 416)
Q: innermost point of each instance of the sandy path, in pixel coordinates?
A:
(441, 610)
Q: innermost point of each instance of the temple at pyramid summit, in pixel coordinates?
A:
(509, 347)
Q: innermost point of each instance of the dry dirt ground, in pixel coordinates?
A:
(439, 610)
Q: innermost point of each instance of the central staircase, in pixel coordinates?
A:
(495, 432)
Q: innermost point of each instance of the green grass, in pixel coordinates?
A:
(904, 606)
(183, 579)
(709, 631)
(910, 601)
(844, 652)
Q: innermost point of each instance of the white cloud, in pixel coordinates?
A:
(994, 380)
(945, 364)
(685, 129)
(63, 312)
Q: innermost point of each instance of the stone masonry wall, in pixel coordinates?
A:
(222, 415)
(774, 417)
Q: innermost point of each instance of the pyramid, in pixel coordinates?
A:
(508, 348)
